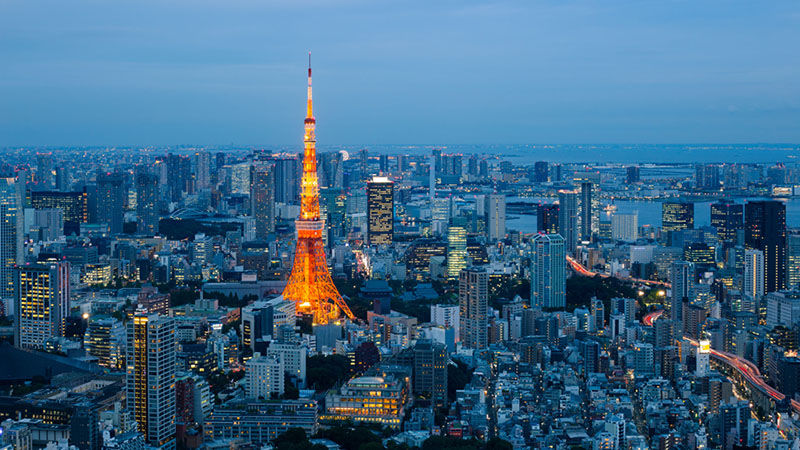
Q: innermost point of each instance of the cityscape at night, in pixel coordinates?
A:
(519, 225)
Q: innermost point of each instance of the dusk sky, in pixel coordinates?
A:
(399, 72)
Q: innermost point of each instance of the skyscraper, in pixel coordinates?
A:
(568, 219)
(430, 371)
(11, 234)
(150, 377)
(765, 230)
(262, 198)
(110, 200)
(625, 227)
(310, 286)
(473, 299)
(202, 163)
(726, 217)
(548, 272)
(41, 294)
(179, 168)
(456, 250)
(753, 275)
(496, 216)
(676, 216)
(44, 170)
(707, 176)
(586, 210)
(380, 211)
(681, 276)
(540, 174)
(287, 185)
(547, 218)
(74, 204)
(147, 209)
(632, 174)
(793, 261)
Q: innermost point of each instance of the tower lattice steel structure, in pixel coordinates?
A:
(310, 285)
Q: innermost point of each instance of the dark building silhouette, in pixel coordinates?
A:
(726, 217)
(765, 230)
(547, 218)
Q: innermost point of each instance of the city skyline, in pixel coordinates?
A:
(487, 296)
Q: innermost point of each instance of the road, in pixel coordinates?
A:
(578, 267)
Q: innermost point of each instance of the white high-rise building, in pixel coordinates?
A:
(753, 274)
(625, 227)
(11, 236)
(702, 366)
(293, 357)
(150, 377)
(496, 216)
(548, 272)
(264, 376)
(448, 317)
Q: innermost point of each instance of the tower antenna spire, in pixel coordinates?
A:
(310, 108)
(310, 285)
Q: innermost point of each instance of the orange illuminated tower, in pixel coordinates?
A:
(310, 285)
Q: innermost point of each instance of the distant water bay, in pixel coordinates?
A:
(612, 153)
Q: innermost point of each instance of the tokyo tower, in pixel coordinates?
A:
(310, 285)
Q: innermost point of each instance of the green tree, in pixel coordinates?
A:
(324, 372)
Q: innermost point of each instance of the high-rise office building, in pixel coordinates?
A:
(45, 172)
(793, 261)
(287, 180)
(765, 230)
(202, 169)
(179, 168)
(74, 204)
(11, 234)
(380, 211)
(676, 216)
(726, 217)
(632, 174)
(586, 210)
(101, 339)
(707, 176)
(147, 208)
(262, 198)
(753, 274)
(150, 377)
(111, 200)
(625, 227)
(456, 250)
(568, 219)
(331, 169)
(473, 299)
(264, 376)
(548, 271)
(540, 174)
(41, 294)
(547, 218)
(496, 216)
(430, 371)
(681, 275)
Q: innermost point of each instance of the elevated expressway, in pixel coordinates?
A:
(763, 396)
